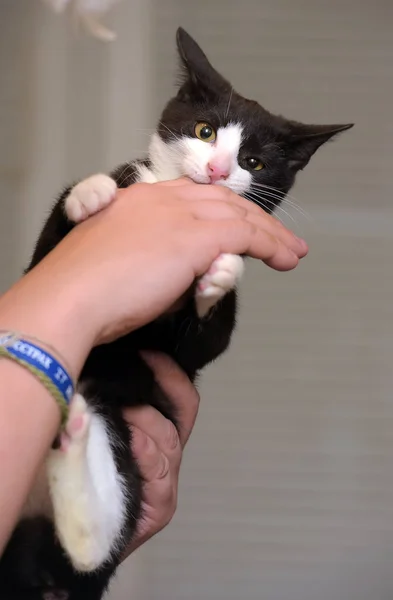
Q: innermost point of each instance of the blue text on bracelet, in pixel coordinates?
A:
(40, 359)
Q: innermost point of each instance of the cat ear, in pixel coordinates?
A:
(199, 77)
(305, 140)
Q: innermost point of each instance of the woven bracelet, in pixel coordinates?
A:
(42, 364)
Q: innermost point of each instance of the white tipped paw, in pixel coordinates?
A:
(76, 430)
(222, 277)
(89, 197)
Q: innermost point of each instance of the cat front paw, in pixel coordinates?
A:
(222, 277)
(89, 197)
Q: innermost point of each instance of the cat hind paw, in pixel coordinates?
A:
(75, 433)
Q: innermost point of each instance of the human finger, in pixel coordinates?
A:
(182, 393)
(158, 428)
(215, 210)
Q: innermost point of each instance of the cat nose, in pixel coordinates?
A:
(217, 172)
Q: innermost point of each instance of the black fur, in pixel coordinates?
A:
(34, 565)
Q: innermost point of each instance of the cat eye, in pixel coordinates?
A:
(254, 164)
(205, 132)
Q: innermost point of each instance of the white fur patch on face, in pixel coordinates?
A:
(191, 157)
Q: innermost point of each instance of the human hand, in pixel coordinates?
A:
(158, 447)
(178, 229)
(130, 263)
(153, 242)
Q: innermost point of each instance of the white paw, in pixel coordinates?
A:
(69, 484)
(87, 492)
(223, 276)
(89, 197)
(77, 427)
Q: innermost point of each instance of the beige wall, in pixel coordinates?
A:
(287, 484)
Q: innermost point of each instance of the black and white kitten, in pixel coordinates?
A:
(70, 541)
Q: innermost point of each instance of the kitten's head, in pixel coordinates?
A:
(211, 134)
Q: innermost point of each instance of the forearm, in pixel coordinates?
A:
(51, 308)
(29, 419)
(29, 415)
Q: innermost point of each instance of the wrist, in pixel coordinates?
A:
(37, 306)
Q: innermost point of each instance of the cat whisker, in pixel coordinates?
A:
(275, 202)
(183, 330)
(229, 104)
(217, 113)
(268, 187)
(147, 131)
(260, 203)
(288, 198)
(274, 189)
(121, 178)
(282, 199)
(271, 206)
(277, 215)
(173, 134)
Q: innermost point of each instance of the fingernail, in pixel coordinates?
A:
(302, 243)
(151, 356)
(146, 354)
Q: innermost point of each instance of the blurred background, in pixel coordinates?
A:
(287, 484)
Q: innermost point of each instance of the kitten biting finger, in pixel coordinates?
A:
(73, 540)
